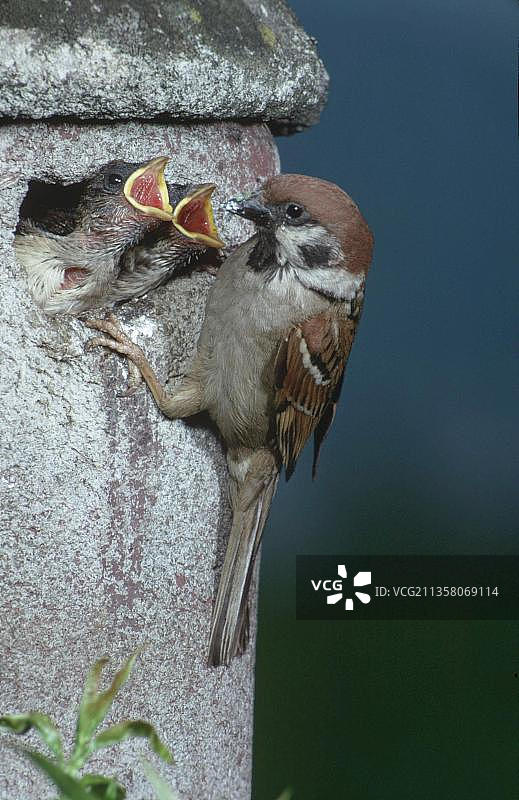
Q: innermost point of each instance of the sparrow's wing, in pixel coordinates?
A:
(308, 373)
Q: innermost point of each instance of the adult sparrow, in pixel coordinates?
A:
(279, 325)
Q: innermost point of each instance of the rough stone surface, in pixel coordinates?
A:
(195, 60)
(112, 518)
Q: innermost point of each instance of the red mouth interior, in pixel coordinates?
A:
(193, 217)
(73, 277)
(145, 191)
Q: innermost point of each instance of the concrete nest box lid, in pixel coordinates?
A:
(189, 60)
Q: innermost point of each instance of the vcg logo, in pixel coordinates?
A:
(337, 589)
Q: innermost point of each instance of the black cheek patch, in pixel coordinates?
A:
(316, 255)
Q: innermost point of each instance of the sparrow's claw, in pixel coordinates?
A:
(111, 326)
(118, 341)
(113, 344)
(115, 339)
(134, 381)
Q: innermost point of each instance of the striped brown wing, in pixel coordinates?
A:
(309, 371)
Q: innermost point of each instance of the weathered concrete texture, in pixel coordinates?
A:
(190, 60)
(112, 517)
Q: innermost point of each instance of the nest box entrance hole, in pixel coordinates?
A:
(51, 205)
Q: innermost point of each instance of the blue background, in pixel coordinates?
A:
(420, 129)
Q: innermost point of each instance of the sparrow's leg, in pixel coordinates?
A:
(186, 399)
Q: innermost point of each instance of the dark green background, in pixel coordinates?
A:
(421, 130)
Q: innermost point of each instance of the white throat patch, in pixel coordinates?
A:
(335, 282)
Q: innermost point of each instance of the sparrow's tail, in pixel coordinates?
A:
(254, 477)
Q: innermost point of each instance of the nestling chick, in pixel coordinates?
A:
(280, 322)
(122, 240)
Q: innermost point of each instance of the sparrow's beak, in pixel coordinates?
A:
(193, 216)
(251, 208)
(146, 189)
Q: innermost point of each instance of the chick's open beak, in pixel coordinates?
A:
(193, 216)
(146, 189)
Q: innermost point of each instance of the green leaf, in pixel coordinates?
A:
(130, 729)
(103, 788)
(69, 787)
(163, 790)
(42, 724)
(286, 795)
(90, 693)
(95, 705)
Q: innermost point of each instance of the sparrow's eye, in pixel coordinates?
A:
(294, 211)
(113, 181)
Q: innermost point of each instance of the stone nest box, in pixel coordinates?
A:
(113, 518)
